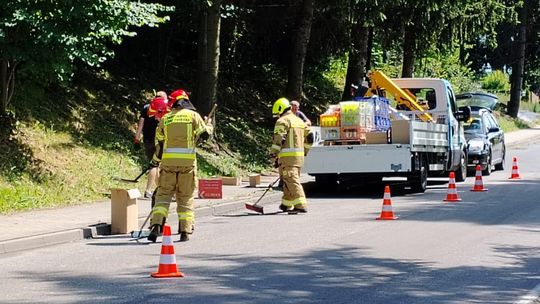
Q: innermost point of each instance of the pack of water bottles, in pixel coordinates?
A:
(355, 118)
(369, 113)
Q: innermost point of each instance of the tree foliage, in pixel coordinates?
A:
(45, 38)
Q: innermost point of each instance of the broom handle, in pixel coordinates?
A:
(267, 189)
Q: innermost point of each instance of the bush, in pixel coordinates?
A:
(496, 81)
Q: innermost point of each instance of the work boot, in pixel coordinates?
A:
(297, 210)
(184, 236)
(154, 232)
(283, 208)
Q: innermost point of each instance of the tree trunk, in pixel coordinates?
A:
(208, 57)
(518, 66)
(7, 83)
(370, 48)
(409, 51)
(358, 54)
(299, 50)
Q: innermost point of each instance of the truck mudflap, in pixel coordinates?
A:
(383, 158)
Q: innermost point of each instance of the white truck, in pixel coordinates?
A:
(427, 141)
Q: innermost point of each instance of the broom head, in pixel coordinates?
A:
(255, 208)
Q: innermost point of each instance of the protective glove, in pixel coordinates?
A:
(136, 143)
(154, 163)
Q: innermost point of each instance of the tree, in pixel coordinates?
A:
(519, 62)
(299, 49)
(45, 38)
(358, 50)
(208, 55)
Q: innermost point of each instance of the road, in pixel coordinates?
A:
(484, 249)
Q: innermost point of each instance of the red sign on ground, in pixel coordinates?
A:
(210, 188)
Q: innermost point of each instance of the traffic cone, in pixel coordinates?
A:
(515, 170)
(452, 195)
(167, 261)
(387, 213)
(478, 184)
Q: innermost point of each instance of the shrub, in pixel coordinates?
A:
(496, 81)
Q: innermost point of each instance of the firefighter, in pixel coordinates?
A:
(177, 135)
(288, 150)
(148, 121)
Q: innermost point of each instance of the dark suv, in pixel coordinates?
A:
(485, 137)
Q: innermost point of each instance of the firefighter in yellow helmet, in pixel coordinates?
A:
(177, 135)
(288, 149)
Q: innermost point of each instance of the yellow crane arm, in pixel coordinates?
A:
(379, 81)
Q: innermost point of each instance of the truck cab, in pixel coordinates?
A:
(440, 102)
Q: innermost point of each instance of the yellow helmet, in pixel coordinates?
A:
(280, 106)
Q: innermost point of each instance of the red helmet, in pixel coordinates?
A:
(178, 94)
(181, 98)
(158, 107)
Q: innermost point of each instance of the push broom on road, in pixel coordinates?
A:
(255, 207)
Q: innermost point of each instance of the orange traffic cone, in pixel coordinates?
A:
(515, 170)
(452, 195)
(167, 261)
(478, 184)
(387, 213)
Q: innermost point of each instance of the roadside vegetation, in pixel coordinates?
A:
(67, 114)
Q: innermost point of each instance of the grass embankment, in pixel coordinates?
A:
(66, 146)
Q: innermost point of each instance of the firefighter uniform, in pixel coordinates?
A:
(177, 136)
(290, 133)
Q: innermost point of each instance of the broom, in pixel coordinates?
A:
(256, 208)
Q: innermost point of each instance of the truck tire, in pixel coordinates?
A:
(418, 182)
(461, 172)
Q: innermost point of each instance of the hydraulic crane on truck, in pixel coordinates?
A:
(380, 82)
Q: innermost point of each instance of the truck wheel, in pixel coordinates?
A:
(461, 172)
(418, 183)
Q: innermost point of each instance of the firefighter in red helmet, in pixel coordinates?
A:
(149, 118)
(177, 135)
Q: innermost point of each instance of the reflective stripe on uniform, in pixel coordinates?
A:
(186, 216)
(279, 129)
(298, 201)
(291, 152)
(160, 210)
(275, 147)
(179, 153)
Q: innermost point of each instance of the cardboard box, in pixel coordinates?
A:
(376, 138)
(400, 131)
(231, 181)
(124, 210)
(254, 180)
(210, 188)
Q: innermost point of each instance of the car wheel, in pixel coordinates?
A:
(487, 170)
(500, 166)
(461, 172)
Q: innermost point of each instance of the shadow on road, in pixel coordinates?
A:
(340, 275)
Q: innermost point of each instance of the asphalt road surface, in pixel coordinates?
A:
(484, 249)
